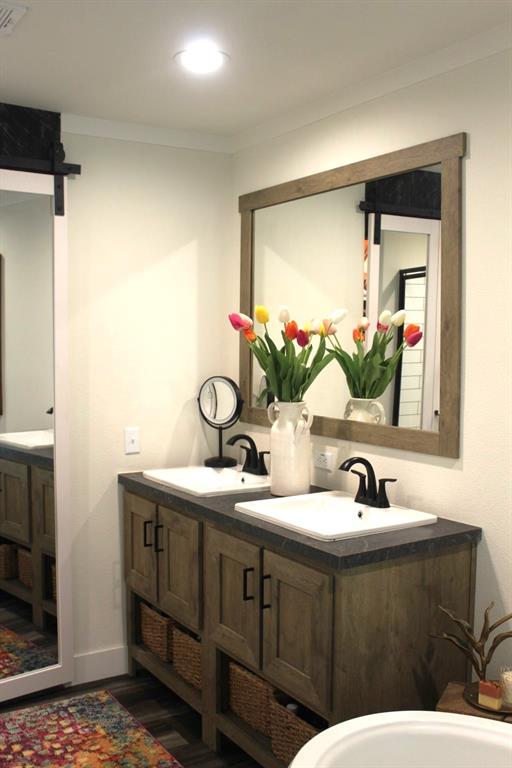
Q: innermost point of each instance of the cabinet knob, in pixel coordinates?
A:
(147, 525)
(246, 596)
(264, 605)
(158, 548)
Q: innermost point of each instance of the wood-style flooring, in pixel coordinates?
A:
(165, 716)
(17, 616)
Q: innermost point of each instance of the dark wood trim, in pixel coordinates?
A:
(448, 151)
(402, 160)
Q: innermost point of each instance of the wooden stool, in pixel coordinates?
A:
(453, 700)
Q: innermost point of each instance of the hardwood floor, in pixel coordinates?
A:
(165, 716)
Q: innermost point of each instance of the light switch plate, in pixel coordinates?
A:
(131, 440)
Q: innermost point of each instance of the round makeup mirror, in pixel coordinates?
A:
(220, 405)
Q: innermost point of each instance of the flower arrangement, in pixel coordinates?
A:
(369, 372)
(292, 368)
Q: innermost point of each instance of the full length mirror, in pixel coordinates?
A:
(381, 235)
(31, 241)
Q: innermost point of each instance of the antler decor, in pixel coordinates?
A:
(472, 647)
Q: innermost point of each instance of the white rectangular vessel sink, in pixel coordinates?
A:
(38, 438)
(332, 515)
(206, 481)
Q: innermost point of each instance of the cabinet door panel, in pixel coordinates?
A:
(180, 567)
(140, 560)
(14, 501)
(297, 630)
(43, 509)
(232, 602)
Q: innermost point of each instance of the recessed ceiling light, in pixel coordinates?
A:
(201, 57)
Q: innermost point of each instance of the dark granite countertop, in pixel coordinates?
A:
(36, 457)
(333, 555)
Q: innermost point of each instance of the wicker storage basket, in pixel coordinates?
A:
(8, 561)
(53, 580)
(25, 574)
(155, 632)
(249, 698)
(187, 657)
(288, 732)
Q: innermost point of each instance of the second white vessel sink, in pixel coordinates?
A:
(332, 515)
(37, 438)
(206, 481)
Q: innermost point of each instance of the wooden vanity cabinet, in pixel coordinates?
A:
(15, 502)
(297, 629)
(233, 579)
(43, 509)
(163, 558)
(272, 613)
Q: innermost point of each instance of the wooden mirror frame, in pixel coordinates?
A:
(449, 152)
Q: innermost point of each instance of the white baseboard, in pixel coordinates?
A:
(100, 665)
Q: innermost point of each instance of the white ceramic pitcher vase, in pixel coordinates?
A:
(363, 409)
(290, 448)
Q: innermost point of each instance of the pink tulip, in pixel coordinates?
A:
(382, 327)
(329, 327)
(302, 338)
(239, 321)
(413, 338)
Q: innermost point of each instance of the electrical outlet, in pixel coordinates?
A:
(324, 460)
(131, 440)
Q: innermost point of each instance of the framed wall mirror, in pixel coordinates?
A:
(36, 650)
(383, 233)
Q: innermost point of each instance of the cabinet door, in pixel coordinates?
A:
(43, 510)
(14, 501)
(232, 602)
(297, 629)
(139, 556)
(179, 567)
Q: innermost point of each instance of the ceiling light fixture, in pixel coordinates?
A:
(201, 57)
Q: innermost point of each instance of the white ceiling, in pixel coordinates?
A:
(112, 59)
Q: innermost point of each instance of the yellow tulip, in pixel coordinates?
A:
(261, 314)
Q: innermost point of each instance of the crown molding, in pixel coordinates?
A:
(481, 46)
(145, 134)
(471, 49)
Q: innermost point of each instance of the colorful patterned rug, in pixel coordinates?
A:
(89, 731)
(18, 655)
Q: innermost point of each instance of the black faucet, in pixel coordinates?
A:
(367, 490)
(254, 461)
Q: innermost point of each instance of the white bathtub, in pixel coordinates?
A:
(410, 740)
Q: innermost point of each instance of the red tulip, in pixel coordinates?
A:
(291, 330)
(412, 339)
(411, 328)
(302, 338)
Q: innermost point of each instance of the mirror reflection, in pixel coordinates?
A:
(28, 607)
(368, 248)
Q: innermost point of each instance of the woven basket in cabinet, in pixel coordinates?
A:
(25, 573)
(187, 657)
(155, 632)
(8, 561)
(289, 732)
(249, 698)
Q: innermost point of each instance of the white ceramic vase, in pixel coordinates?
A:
(290, 448)
(363, 409)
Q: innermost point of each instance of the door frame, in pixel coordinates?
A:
(62, 672)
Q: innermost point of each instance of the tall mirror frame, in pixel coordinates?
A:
(448, 152)
(62, 672)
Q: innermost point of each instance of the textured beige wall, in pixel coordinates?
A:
(147, 235)
(476, 98)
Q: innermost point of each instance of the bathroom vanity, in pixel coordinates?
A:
(341, 627)
(27, 518)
